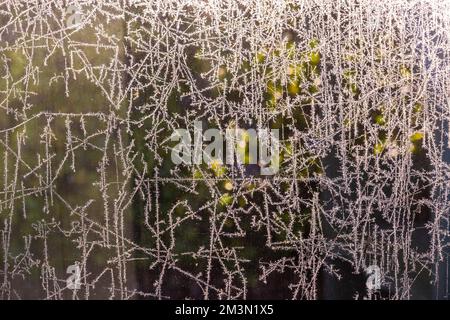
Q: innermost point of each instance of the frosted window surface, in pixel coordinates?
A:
(91, 91)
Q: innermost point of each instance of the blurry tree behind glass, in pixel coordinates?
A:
(89, 99)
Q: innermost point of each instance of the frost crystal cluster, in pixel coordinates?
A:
(91, 91)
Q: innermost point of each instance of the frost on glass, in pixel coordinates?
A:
(91, 91)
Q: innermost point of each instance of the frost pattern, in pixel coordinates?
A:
(359, 89)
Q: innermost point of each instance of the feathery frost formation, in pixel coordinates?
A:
(91, 91)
